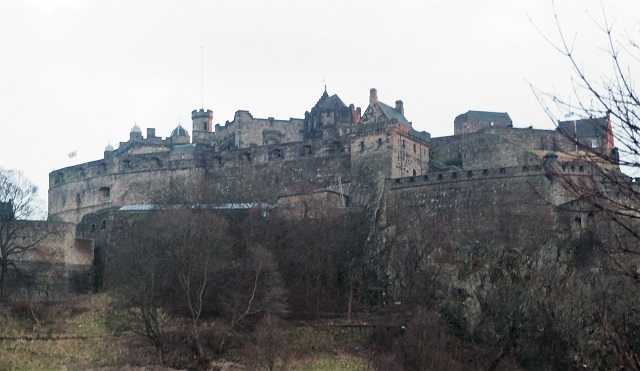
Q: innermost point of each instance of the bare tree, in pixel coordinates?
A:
(610, 104)
(18, 201)
(608, 100)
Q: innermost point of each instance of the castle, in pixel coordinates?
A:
(489, 183)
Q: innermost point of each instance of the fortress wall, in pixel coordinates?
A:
(510, 208)
(71, 200)
(59, 267)
(371, 159)
(496, 147)
(251, 174)
(409, 156)
(250, 131)
(263, 173)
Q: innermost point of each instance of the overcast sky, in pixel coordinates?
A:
(76, 75)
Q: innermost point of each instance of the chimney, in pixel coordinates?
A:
(373, 96)
(400, 107)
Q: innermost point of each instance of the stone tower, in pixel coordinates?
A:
(202, 125)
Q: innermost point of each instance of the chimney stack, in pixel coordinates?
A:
(400, 107)
(373, 96)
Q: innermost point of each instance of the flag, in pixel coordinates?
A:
(569, 115)
(73, 154)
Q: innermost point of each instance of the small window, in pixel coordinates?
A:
(105, 192)
(275, 154)
(93, 228)
(362, 145)
(414, 172)
(502, 170)
(204, 126)
(103, 224)
(469, 174)
(414, 148)
(246, 156)
(379, 142)
(594, 143)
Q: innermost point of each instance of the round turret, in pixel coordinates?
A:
(109, 148)
(136, 129)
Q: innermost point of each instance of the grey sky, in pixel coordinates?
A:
(76, 75)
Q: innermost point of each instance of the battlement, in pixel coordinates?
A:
(456, 176)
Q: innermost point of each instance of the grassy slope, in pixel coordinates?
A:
(84, 334)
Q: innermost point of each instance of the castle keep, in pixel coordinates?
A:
(488, 183)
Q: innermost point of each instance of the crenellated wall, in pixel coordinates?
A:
(454, 209)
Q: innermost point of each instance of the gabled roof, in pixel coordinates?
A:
(391, 113)
(327, 102)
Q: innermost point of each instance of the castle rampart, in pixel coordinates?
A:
(125, 179)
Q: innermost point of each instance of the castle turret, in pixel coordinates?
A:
(202, 125)
(135, 134)
(108, 150)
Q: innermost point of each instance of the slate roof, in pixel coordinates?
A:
(393, 114)
(327, 102)
(585, 128)
(179, 131)
(483, 116)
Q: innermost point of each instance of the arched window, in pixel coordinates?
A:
(103, 224)
(93, 228)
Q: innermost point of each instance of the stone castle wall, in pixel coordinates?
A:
(497, 147)
(246, 131)
(454, 209)
(197, 175)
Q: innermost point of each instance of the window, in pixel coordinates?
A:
(93, 228)
(362, 145)
(103, 224)
(414, 172)
(379, 142)
(594, 143)
(275, 154)
(414, 148)
(105, 192)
